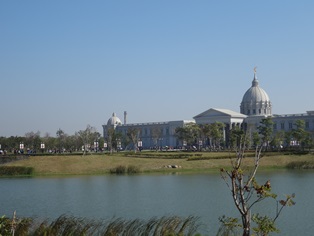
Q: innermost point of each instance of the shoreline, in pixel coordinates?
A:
(74, 165)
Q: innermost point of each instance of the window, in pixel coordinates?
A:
(259, 111)
(290, 125)
(282, 125)
(275, 126)
(254, 111)
(248, 112)
(307, 124)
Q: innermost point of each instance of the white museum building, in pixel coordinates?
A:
(255, 106)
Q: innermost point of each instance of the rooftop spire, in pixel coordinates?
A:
(255, 81)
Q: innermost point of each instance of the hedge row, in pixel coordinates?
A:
(160, 155)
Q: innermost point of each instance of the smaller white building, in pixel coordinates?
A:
(151, 134)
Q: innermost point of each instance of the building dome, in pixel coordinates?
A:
(255, 100)
(114, 120)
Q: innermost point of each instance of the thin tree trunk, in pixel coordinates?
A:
(246, 224)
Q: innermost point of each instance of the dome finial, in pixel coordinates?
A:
(255, 81)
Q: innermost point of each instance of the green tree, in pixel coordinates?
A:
(189, 133)
(236, 135)
(11, 143)
(216, 134)
(265, 129)
(51, 143)
(60, 136)
(288, 138)
(101, 142)
(73, 142)
(256, 139)
(181, 133)
(299, 134)
(204, 132)
(32, 140)
(278, 140)
(309, 142)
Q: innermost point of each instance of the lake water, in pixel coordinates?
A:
(146, 196)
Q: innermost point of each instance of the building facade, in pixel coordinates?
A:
(151, 134)
(255, 106)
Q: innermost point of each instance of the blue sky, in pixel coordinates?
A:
(67, 64)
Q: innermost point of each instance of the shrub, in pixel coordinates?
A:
(118, 170)
(133, 170)
(15, 170)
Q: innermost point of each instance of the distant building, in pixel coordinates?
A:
(152, 134)
(255, 106)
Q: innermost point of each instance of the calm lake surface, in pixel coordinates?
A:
(146, 196)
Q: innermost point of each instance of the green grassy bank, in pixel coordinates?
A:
(150, 162)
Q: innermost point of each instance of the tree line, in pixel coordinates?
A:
(32, 142)
(214, 136)
(86, 140)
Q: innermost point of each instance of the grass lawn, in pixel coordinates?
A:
(147, 163)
